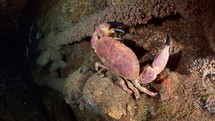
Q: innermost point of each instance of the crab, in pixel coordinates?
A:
(122, 61)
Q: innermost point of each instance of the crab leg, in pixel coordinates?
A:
(143, 89)
(150, 73)
(121, 83)
(131, 86)
(97, 65)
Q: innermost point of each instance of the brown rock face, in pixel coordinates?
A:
(185, 86)
(202, 13)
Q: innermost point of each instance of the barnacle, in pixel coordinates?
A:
(210, 104)
(203, 66)
(207, 94)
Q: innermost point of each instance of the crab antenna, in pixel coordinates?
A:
(168, 41)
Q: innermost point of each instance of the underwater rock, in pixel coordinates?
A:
(55, 107)
(202, 13)
(206, 93)
(88, 92)
(94, 97)
(179, 99)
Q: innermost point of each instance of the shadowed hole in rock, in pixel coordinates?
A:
(158, 21)
(64, 58)
(144, 65)
(173, 61)
(139, 51)
(59, 72)
(45, 69)
(87, 39)
(152, 89)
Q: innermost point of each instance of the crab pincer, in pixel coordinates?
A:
(122, 61)
(150, 73)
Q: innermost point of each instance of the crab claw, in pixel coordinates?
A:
(115, 24)
(160, 61)
(149, 74)
(118, 30)
(116, 27)
(104, 30)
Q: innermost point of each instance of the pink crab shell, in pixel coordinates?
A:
(117, 57)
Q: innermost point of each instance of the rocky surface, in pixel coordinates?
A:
(95, 97)
(201, 13)
(62, 58)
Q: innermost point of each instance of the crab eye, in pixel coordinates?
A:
(99, 34)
